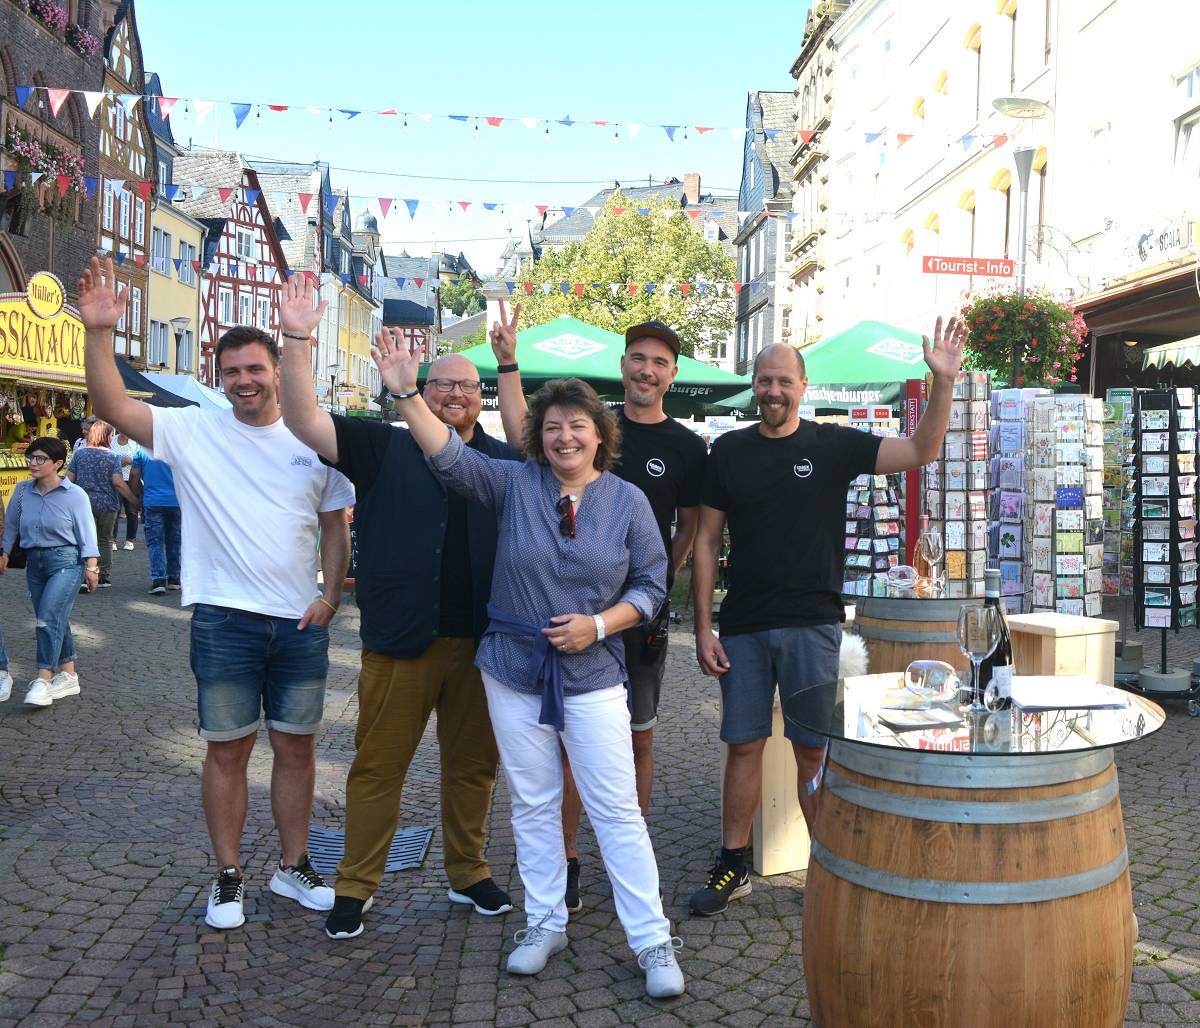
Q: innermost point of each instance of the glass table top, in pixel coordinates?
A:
(856, 710)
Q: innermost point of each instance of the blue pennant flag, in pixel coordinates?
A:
(565, 287)
(10, 181)
(457, 117)
(872, 136)
(23, 94)
(90, 184)
(597, 285)
(568, 211)
(792, 214)
(968, 141)
(400, 282)
(650, 287)
(702, 287)
(252, 196)
(349, 114)
(754, 286)
(643, 210)
(120, 258)
(566, 121)
(412, 207)
(177, 262)
(345, 279)
(511, 287)
(233, 268)
(670, 131)
(331, 202)
(771, 134)
(288, 273)
(171, 191)
(490, 206)
(240, 113)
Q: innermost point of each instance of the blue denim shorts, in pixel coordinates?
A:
(249, 665)
(794, 659)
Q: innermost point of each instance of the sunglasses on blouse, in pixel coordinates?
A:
(566, 516)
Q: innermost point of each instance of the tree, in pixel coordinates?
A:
(618, 275)
(463, 297)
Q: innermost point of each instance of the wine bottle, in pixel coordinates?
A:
(998, 668)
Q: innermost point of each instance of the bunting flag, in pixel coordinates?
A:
(345, 279)
(541, 209)
(331, 202)
(412, 207)
(511, 286)
(23, 94)
(670, 131)
(806, 135)
(528, 288)
(546, 287)
(385, 205)
(58, 97)
(252, 196)
(90, 182)
(144, 189)
(872, 136)
(10, 181)
(171, 191)
(225, 192)
(240, 113)
(63, 182)
(116, 184)
(464, 204)
(119, 258)
(567, 211)
(305, 199)
(400, 283)
(203, 107)
(129, 101)
(565, 287)
(92, 99)
(968, 141)
(277, 107)
(634, 129)
(139, 259)
(685, 288)
(494, 121)
(999, 140)
(420, 282)
(770, 134)
(166, 104)
(350, 115)
(902, 138)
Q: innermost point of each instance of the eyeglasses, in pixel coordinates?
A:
(35, 460)
(566, 516)
(445, 385)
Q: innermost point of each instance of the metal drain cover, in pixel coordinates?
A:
(408, 848)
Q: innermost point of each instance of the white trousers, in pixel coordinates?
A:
(599, 743)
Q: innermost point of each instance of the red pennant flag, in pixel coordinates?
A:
(737, 288)
(464, 204)
(277, 107)
(419, 281)
(541, 208)
(528, 288)
(701, 129)
(633, 289)
(578, 288)
(806, 135)
(693, 214)
(618, 210)
(58, 97)
(385, 205)
(999, 140)
(599, 122)
(305, 199)
(225, 192)
(902, 138)
(195, 265)
(685, 288)
(64, 183)
(362, 280)
(144, 189)
(390, 110)
(139, 259)
(494, 122)
(166, 104)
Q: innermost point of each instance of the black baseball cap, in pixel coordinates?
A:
(654, 330)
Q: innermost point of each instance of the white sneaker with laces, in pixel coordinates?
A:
(225, 899)
(303, 884)
(5, 686)
(65, 683)
(114, 545)
(535, 946)
(663, 976)
(39, 694)
(128, 546)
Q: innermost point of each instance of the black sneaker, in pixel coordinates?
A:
(485, 896)
(345, 919)
(573, 900)
(728, 880)
(104, 582)
(174, 585)
(158, 587)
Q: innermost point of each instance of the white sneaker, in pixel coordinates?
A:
(128, 546)
(65, 683)
(39, 694)
(663, 976)
(303, 884)
(5, 686)
(225, 900)
(114, 545)
(535, 946)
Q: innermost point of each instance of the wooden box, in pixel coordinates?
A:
(1048, 643)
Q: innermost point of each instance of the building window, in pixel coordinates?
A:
(162, 176)
(108, 208)
(135, 311)
(721, 350)
(160, 251)
(119, 121)
(264, 313)
(244, 309)
(974, 42)
(139, 223)
(125, 213)
(183, 356)
(226, 307)
(244, 244)
(156, 352)
(741, 346)
(187, 254)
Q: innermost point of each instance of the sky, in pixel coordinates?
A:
(649, 63)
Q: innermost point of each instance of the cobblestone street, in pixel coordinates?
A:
(105, 864)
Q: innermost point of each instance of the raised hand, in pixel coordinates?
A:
(297, 315)
(100, 304)
(944, 357)
(503, 335)
(398, 364)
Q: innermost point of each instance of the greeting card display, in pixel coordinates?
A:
(873, 540)
(1117, 509)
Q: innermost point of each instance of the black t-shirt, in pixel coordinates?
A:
(785, 504)
(666, 462)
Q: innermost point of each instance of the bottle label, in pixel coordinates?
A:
(1002, 680)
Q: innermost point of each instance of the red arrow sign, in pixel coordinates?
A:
(998, 267)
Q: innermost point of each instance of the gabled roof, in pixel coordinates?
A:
(160, 127)
(776, 111)
(409, 304)
(280, 183)
(213, 169)
(464, 327)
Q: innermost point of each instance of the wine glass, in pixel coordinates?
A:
(929, 557)
(932, 680)
(978, 636)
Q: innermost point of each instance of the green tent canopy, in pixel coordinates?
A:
(866, 364)
(569, 348)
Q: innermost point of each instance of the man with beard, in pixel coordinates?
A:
(424, 574)
(781, 486)
(665, 461)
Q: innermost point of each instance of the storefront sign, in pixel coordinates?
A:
(9, 477)
(998, 267)
(1163, 242)
(41, 339)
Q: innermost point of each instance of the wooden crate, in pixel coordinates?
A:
(1047, 643)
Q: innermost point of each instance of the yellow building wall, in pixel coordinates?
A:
(345, 303)
(359, 349)
(169, 297)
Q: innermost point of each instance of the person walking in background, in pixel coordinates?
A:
(125, 448)
(96, 469)
(52, 518)
(154, 485)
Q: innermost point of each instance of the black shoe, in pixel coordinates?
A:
(728, 880)
(574, 903)
(158, 587)
(485, 896)
(345, 919)
(173, 585)
(104, 583)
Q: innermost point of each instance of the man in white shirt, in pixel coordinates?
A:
(252, 499)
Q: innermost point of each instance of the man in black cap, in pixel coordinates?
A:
(665, 461)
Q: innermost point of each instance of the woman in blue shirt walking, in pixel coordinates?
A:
(579, 559)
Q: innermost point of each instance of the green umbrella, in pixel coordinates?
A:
(866, 364)
(569, 348)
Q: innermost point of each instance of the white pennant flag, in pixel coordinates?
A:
(614, 288)
(35, 177)
(593, 211)
(666, 288)
(116, 184)
(202, 110)
(130, 101)
(736, 133)
(197, 191)
(425, 117)
(546, 287)
(634, 129)
(92, 99)
(529, 122)
(670, 212)
(315, 111)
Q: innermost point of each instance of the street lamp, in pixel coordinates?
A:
(179, 326)
(333, 373)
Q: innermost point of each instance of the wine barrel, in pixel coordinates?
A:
(947, 889)
(897, 632)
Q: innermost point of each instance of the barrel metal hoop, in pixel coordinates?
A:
(894, 609)
(967, 771)
(873, 633)
(970, 893)
(964, 812)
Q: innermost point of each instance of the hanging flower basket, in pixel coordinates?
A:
(59, 187)
(82, 41)
(1049, 333)
(49, 13)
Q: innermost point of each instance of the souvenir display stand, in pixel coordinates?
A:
(873, 505)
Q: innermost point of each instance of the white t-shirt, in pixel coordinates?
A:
(249, 499)
(123, 450)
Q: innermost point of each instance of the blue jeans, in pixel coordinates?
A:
(3, 653)
(54, 576)
(162, 541)
(247, 664)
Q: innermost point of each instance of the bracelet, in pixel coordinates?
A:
(403, 396)
(290, 335)
(504, 369)
(91, 571)
(601, 631)
(328, 604)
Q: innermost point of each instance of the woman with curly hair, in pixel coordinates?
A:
(579, 559)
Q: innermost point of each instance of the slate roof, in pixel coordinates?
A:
(412, 304)
(160, 127)
(463, 327)
(776, 110)
(212, 169)
(288, 180)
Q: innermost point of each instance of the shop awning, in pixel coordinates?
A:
(139, 386)
(1185, 353)
(189, 389)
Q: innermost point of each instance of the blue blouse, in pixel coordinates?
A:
(616, 556)
(61, 517)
